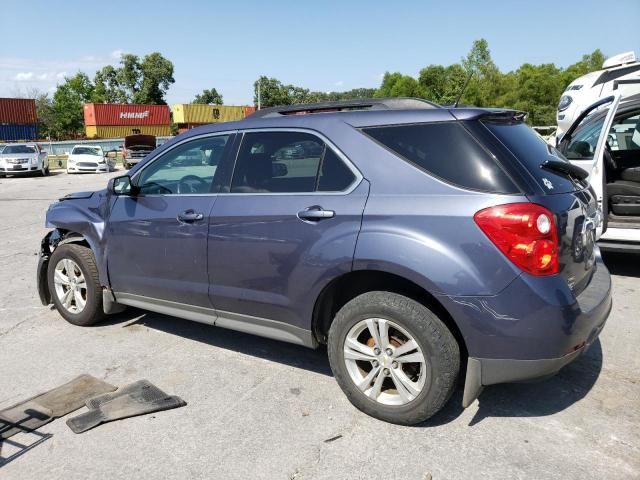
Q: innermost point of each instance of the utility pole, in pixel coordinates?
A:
(259, 102)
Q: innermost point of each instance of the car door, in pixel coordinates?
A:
(157, 235)
(288, 226)
(584, 143)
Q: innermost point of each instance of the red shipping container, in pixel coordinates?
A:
(249, 110)
(18, 111)
(102, 114)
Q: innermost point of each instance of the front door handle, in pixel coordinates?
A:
(315, 214)
(189, 216)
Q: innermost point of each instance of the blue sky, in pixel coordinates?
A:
(321, 45)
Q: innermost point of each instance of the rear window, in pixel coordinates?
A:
(531, 151)
(446, 151)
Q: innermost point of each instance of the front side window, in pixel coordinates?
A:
(288, 162)
(186, 169)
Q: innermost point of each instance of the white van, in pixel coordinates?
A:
(620, 72)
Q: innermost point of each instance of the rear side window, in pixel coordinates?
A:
(447, 151)
(288, 162)
(531, 151)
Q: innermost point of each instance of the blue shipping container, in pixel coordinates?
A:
(12, 133)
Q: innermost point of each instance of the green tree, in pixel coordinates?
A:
(157, 77)
(107, 86)
(486, 81)
(135, 81)
(46, 115)
(209, 97)
(398, 85)
(272, 92)
(68, 101)
(440, 84)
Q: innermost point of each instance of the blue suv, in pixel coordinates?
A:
(417, 242)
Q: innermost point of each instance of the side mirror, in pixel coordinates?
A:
(121, 186)
(279, 170)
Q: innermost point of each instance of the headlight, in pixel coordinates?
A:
(71, 161)
(565, 101)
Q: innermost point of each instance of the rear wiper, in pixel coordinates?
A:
(565, 167)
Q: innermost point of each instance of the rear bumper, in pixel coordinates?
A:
(531, 330)
(619, 247)
(490, 371)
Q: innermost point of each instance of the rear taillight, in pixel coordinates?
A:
(525, 232)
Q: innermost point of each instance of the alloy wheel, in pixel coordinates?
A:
(384, 361)
(70, 285)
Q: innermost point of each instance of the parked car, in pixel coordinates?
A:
(605, 141)
(620, 71)
(135, 148)
(23, 158)
(89, 158)
(413, 240)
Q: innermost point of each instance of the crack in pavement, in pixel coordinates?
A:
(11, 329)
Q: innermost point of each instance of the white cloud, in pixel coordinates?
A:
(339, 83)
(116, 54)
(61, 75)
(24, 76)
(43, 76)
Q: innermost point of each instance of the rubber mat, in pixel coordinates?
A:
(41, 409)
(138, 398)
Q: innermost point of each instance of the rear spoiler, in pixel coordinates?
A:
(502, 115)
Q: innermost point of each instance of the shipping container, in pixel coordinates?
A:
(125, 114)
(249, 110)
(119, 131)
(12, 132)
(18, 111)
(197, 113)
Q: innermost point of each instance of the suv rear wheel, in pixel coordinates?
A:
(393, 358)
(74, 285)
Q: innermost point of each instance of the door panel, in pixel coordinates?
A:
(157, 236)
(266, 262)
(152, 253)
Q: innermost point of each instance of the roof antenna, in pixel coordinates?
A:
(455, 105)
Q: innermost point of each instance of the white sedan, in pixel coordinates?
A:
(89, 158)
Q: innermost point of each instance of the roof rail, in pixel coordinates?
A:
(399, 103)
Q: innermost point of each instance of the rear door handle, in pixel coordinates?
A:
(189, 216)
(315, 214)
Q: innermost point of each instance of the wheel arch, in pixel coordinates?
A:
(349, 285)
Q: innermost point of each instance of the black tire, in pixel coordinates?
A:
(83, 257)
(440, 349)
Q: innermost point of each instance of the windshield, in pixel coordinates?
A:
(85, 151)
(19, 149)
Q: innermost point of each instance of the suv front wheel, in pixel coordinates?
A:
(74, 285)
(393, 358)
